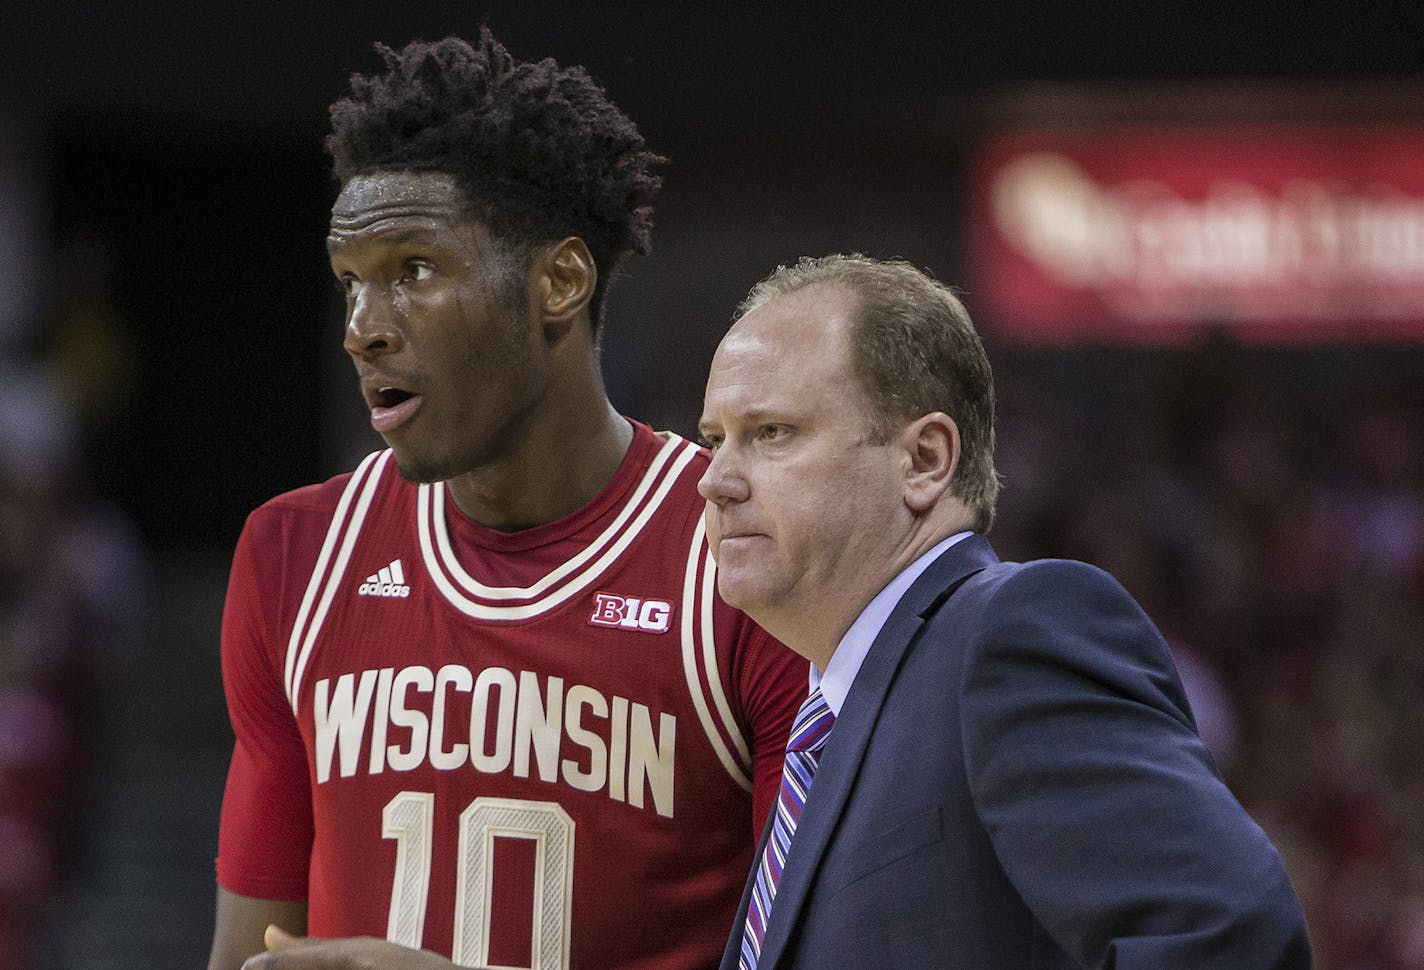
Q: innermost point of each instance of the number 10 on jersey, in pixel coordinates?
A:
(409, 818)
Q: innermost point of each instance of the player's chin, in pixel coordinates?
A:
(418, 469)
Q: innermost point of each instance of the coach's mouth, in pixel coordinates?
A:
(735, 539)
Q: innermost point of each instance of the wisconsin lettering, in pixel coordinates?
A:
(495, 721)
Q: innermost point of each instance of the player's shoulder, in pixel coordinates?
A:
(701, 457)
(688, 458)
(317, 501)
(317, 497)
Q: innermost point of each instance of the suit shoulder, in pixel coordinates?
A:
(1058, 605)
(1063, 612)
(1040, 579)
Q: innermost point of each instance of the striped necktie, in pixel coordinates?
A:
(808, 736)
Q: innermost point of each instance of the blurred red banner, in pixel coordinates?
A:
(1283, 233)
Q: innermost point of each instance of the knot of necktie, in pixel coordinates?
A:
(812, 725)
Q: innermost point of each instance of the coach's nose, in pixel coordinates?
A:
(724, 480)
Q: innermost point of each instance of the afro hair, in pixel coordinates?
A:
(539, 150)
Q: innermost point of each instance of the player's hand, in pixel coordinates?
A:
(287, 952)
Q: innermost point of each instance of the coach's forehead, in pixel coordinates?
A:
(787, 349)
(813, 319)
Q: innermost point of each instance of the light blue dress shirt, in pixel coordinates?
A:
(850, 652)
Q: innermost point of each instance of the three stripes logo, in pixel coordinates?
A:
(389, 581)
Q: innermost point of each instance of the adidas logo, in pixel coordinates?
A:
(389, 581)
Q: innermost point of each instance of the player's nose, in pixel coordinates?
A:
(371, 325)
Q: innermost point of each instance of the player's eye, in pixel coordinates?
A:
(416, 270)
(710, 441)
(348, 285)
(770, 432)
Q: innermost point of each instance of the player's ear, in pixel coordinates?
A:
(931, 444)
(564, 279)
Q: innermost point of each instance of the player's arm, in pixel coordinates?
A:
(265, 833)
(771, 688)
(242, 921)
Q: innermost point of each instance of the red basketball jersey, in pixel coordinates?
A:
(533, 749)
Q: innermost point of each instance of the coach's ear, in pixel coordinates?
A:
(565, 277)
(931, 446)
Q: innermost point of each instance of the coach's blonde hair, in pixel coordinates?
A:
(914, 350)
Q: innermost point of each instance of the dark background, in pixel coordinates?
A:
(190, 134)
(177, 152)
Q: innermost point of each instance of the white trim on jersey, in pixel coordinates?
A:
(304, 633)
(709, 654)
(699, 647)
(477, 588)
(695, 621)
(469, 596)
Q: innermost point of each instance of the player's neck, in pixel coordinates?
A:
(557, 469)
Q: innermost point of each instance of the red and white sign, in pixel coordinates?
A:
(1282, 233)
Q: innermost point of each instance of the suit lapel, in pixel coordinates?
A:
(844, 753)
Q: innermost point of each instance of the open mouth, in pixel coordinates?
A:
(392, 407)
(389, 397)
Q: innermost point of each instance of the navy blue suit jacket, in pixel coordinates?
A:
(1015, 781)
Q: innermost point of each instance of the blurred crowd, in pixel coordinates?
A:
(1267, 509)
(71, 596)
(73, 587)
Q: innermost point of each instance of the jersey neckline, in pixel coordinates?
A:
(464, 530)
(609, 526)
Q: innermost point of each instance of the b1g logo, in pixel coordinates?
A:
(631, 613)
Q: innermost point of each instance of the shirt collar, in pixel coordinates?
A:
(850, 652)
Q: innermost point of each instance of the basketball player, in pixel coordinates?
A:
(487, 701)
